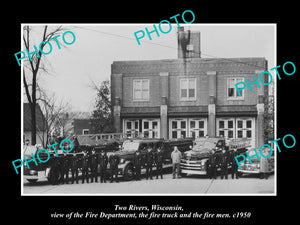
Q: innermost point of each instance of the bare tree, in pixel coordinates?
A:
(34, 67)
(52, 111)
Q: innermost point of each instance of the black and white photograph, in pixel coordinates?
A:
(118, 113)
(132, 115)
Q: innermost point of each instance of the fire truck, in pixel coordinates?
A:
(129, 148)
(98, 142)
(195, 161)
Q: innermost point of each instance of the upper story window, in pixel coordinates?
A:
(188, 89)
(85, 131)
(189, 50)
(141, 90)
(232, 93)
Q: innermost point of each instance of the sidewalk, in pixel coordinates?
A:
(193, 185)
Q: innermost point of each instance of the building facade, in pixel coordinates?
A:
(77, 126)
(189, 96)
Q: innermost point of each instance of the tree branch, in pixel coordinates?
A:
(26, 88)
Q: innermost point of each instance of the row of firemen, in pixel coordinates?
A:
(222, 161)
(93, 163)
(98, 162)
(90, 164)
(151, 159)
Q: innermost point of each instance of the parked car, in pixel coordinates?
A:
(195, 161)
(254, 168)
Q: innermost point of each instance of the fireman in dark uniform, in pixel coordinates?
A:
(149, 162)
(114, 162)
(74, 168)
(64, 168)
(54, 172)
(159, 160)
(234, 166)
(93, 166)
(102, 161)
(137, 163)
(224, 164)
(212, 165)
(75, 144)
(85, 167)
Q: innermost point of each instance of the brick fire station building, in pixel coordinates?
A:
(189, 96)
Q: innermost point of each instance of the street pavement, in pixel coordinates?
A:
(190, 185)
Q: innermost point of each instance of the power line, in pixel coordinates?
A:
(166, 46)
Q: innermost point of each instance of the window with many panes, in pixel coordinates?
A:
(188, 89)
(140, 89)
(150, 128)
(232, 93)
(197, 128)
(131, 128)
(178, 128)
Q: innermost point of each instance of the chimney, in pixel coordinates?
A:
(188, 44)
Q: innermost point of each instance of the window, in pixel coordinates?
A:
(225, 127)
(85, 131)
(150, 128)
(188, 89)
(240, 124)
(249, 122)
(178, 128)
(189, 47)
(140, 89)
(232, 93)
(131, 128)
(189, 50)
(245, 128)
(197, 127)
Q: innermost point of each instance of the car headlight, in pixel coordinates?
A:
(33, 172)
(122, 161)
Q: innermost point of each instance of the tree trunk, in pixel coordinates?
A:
(33, 123)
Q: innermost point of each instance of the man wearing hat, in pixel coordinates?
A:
(94, 166)
(64, 168)
(102, 161)
(159, 159)
(149, 162)
(224, 164)
(114, 162)
(137, 163)
(85, 167)
(212, 165)
(234, 166)
(74, 167)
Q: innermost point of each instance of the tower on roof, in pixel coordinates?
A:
(188, 44)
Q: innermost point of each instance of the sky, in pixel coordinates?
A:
(73, 67)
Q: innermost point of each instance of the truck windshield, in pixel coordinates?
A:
(29, 149)
(199, 146)
(130, 146)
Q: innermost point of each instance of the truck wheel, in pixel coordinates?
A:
(32, 180)
(128, 172)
